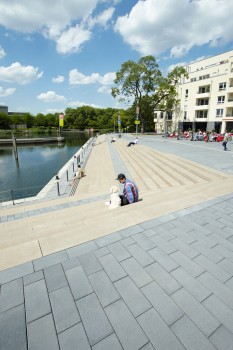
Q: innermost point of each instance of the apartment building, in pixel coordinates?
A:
(206, 97)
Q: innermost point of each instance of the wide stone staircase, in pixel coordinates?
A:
(167, 183)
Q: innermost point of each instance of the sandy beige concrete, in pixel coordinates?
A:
(167, 184)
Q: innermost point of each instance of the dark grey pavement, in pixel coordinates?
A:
(165, 284)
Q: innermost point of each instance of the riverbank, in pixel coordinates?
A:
(31, 141)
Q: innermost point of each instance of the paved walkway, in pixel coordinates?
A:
(164, 283)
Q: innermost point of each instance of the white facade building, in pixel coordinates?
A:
(206, 97)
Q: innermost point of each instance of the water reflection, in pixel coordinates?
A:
(37, 163)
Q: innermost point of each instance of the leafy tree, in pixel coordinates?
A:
(142, 84)
(5, 121)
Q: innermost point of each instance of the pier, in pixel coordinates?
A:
(32, 140)
(157, 274)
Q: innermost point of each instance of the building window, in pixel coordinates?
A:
(221, 99)
(161, 115)
(204, 89)
(202, 77)
(193, 79)
(202, 101)
(185, 115)
(169, 115)
(155, 115)
(219, 112)
(186, 93)
(222, 86)
(201, 114)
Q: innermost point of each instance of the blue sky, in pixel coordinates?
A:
(64, 53)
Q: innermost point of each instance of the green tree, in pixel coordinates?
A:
(5, 121)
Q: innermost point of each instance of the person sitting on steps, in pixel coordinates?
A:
(130, 191)
(134, 142)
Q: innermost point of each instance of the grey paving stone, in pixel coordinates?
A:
(36, 300)
(226, 265)
(33, 277)
(112, 267)
(55, 277)
(111, 342)
(144, 242)
(184, 248)
(104, 288)
(13, 329)
(136, 272)
(119, 251)
(183, 236)
(222, 339)
(74, 338)
(106, 240)
(101, 252)
(16, 272)
(224, 252)
(148, 346)
(190, 335)
(81, 249)
(94, 319)
(218, 288)
(89, 263)
(197, 313)
(11, 295)
(132, 296)
(163, 338)
(190, 283)
(208, 252)
(129, 231)
(153, 231)
(50, 260)
(212, 268)
(163, 278)
(199, 236)
(167, 235)
(188, 265)
(64, 309)
(79, 283)
(42, 334)
(142, 257)
(229, 283)
(165, 306)
(167, 247)
(70, 264)
(126, 327)
(163, 259)
(127, 241)
(151, 223)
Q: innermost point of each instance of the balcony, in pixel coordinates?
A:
(201, 107)
(203, 94)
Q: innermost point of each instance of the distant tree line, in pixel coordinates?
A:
(139, 84)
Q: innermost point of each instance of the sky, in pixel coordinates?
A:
(56, 54)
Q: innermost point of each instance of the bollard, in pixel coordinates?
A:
(58, 189)
(67, 175)
(12, 196)
(73, 167)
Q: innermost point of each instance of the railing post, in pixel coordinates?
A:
(67, 176)
(58, 189)
(12, 196)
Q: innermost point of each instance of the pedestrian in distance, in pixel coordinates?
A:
(224, 145)
(130, 191)
(134, 142)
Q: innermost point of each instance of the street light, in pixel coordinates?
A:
(137, 115)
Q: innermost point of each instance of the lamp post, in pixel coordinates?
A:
(137, 115)
(114, 125)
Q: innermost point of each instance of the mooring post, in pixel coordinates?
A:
(67, 175)
(12, 196)
(58, 189)
(15, 147)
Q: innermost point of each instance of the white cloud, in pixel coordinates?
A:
(104, 89)
(77, 78)
(6, 92)
(58, 80)
(50, 96)
(67, 22)
(108, 78)
(2, 52)
(155, 26)
(75, 104)
(16, 73)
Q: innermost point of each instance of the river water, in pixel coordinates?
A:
(37, 165)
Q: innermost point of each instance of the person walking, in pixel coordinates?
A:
(134, 142)
(224, 145)
(130, 191)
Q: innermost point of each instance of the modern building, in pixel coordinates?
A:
(3, 109)
(206, 97)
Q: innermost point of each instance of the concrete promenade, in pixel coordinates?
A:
(154, 275)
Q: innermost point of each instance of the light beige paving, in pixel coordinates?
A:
(167, 183)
